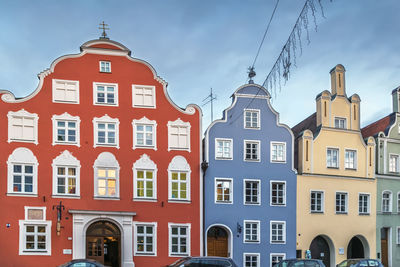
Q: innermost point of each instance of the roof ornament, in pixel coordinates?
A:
(252, 74)
(104, 27)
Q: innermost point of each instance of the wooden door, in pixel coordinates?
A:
(384, 247)
(95, 248)
(217, 246)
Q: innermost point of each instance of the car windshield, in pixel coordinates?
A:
(178, 262)
(348, 263)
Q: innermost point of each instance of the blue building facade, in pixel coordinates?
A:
(249, 182)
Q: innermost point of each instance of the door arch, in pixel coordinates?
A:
(358, 248)
(322, 248)
(219, 239)
(103, 243)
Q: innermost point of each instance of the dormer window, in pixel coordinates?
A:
(105, 66)
(340, 123)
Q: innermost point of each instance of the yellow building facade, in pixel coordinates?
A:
(336, 187)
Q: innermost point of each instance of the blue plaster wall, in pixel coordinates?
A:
(238, 169)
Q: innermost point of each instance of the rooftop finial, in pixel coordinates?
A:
(252, 74)
(104, 27)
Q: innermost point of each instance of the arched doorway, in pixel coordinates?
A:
(355, 249)
(103, 243)
(320, 249)
(217, 242)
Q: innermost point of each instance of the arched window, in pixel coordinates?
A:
(144, 178)
(179, 179)
(106, 176)
(398, 202)
(66, 175)
(386, 201)
(22, 172)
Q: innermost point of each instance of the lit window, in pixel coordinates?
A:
(223, 149)
(66, 91)
(144, 133)
(105, 94)
(145, 171)
(66, 169)
(251, 119)
(144, 96)
(278, 152)
(276, 258)
(178, 135)
(251, 259)
(145, 238)
(223, 191)
(393, 163)
(332, 158)
(363, 204)
(105, 66)
(278, 193)
(66, 129)
(341, 203)
(106, 131)
(106, 176)
(317, 201)
(251, 231)
(252, 192)
(179, 239)
(22, 126)
(278, 232)
(387, 201)
(252, 150)
(340, 123)
(350, 159)
(179, 179)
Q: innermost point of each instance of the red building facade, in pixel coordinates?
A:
(101, 137)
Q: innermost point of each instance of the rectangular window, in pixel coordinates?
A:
(386, 201)
(65, 91)
(278, 193)
(252, 192)
(363, 204)
(393, 163)
(398, 202)
(144, 135)
(278, 232)
(106, 133)
(144, 96)
(252, 119)
(22, 178)
(66, 131)
(145, 239)
(105, 94)
(105, 66)
(276, 258)
(332, 158)
(179, 186)
(341, 203)
(398, 236)
(251, 259)
(106, 182)
(278, 152)
(340, 123)
(22, 126)
(35, 238)
(350, 159)
(145, 184)
(223, 149)
(179, 137)
(223, 191)
(252, 150)
(251, 231)
(179, 240)
(317, 201)
(66, 180)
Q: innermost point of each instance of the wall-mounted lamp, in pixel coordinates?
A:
(238, 229)
(60, 207)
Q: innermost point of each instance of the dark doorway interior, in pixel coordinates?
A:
(385, 246)
(320, 250)
(355, 249)
(217, 242)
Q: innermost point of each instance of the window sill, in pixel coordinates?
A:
(143, 106)
(21, 195)
(253, 203)
(178, 255)
(252, 160)
(317, 212)
(109, 72)
(144, 199)
(364, 214)
(66, 143)
(144, 147)
(35, 253)
(341, 213)
(66, 196)
(251, 241)
(222, 158)
(335, 168)
(106, 145)
(224, 202)
(350, 169)
(105, 198)
(179, 201)
(278, 161)
(148, 254)
(278, 242)
(106, 104)
(253, 128)
(277, 205)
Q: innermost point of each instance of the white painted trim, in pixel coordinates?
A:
(188, 239)
(146, 254)
(230, 180)
(107, 161)
(390, 200)
(397, 162)
(341, 118)
(258, 241)
(230, 140)
(144, 164)
(22, 236)
(257, 111)
(322, 201)
(369, 203)
(284, 151)
(338, 157)
(284, 232)
(96, 84)
(270, 193)
(276, 255)
(27, 208)
(245, 141)
(346, 204)
(180, 165)
(23, 114)
(66, 159)
(144, 121)
(108, 120)
(109, 65)
(251, 254)
(258, 193)
(180, 124)
(355, 159)
(66, 117)
(230, 238)
(152, 87)
(55, 81)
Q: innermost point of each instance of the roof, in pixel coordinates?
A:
(308, 123)
(382, 125)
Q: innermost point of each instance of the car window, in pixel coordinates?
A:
(82, 264)
(373, 263)
(214, 262)
(311, 264)
(299, 264)
(363, 263)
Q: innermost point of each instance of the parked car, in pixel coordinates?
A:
(82, 263)
(300, 263)
(204, 262)
(360, 263)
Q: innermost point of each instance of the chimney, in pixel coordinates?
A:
(396, 99)
(338, 81)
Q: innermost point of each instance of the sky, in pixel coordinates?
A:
(198, 45)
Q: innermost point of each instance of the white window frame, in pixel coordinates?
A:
(145, 122)
(271, 255)
(65, 82)
(230, 145)
(338, 158)
(339, 120)
(66, 160)
(390, 200)
(135, 236)
(368, 203)
(252, 111)
(258, 142)
(398, 202)
(107, 120)
(22, 233)
(245, 254)
(247, 241)
(179, 165)
(347, 162)
(65, 117)
(12, 115)
(188, 239)
(346, 204)
(283, 232)
(144, 164)
(258, 192)
(230, 181)
(277, 160)
(107, 66)
(180, 124)
(96, 103)
(142, 105)
(396, 162)
(106, 160)
(22, 156)
(284, 193)
(322, 201)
